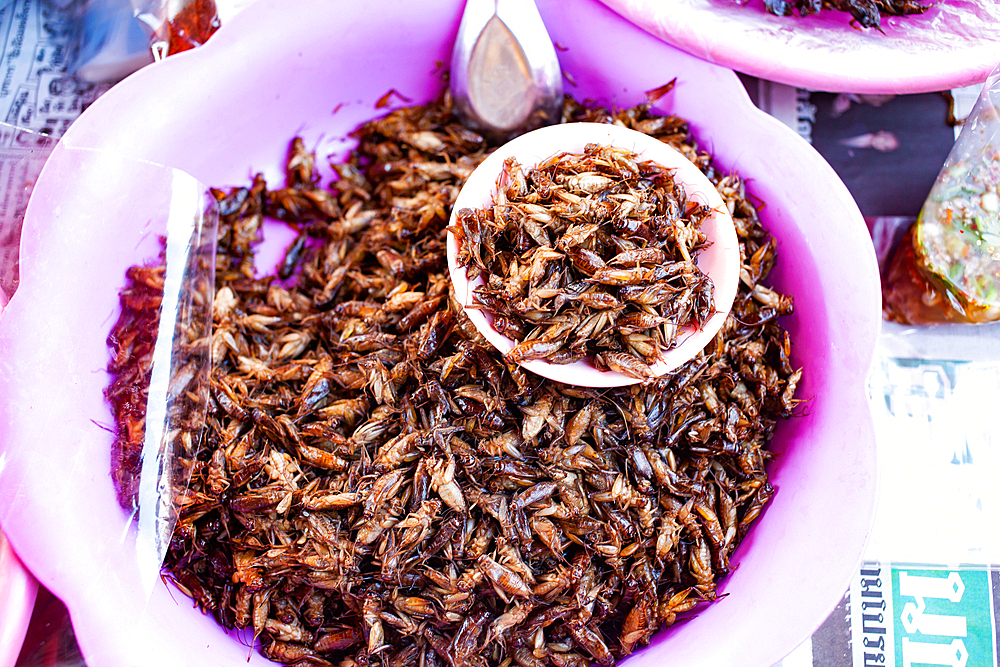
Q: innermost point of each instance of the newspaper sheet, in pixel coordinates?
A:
(39, 99)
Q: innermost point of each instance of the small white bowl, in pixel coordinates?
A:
(720, 260)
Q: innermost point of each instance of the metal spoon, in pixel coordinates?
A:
(505, 76)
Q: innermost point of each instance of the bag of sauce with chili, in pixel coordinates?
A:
(947, 267)
(178, 25)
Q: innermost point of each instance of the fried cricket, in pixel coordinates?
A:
(866, 13)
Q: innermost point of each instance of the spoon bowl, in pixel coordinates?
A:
(720, 260)
(505, 76)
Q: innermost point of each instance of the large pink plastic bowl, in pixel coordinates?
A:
(317, 68)
(955, 43)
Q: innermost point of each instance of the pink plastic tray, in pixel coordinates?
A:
(17, 599)
(720, 260)
(317, 68)
(956, 43)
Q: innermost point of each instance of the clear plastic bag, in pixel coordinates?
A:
(112, 41)
(144, 215)
(117, 37)
(947, 267)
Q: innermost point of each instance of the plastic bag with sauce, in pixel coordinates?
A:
(116, 37)
(178, 25)
(947, 268)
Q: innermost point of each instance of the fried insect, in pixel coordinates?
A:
(377, 486)
(132, 340)
(866, 13)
